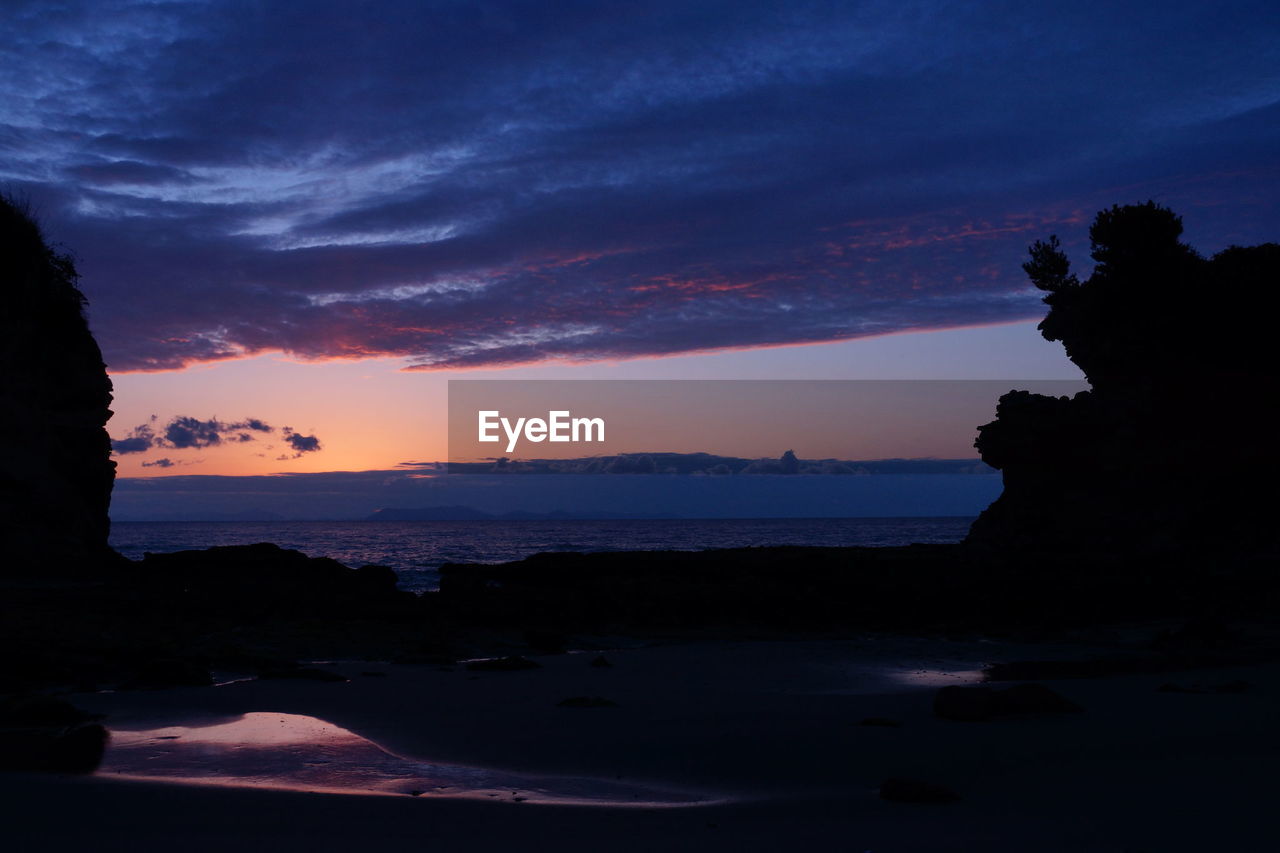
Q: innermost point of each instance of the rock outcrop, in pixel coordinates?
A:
(56, 471)
(1164, 455)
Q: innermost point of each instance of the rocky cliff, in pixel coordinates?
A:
(56, 472)
(1172, 450)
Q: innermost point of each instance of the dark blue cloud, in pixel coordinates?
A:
(133, 444)
(478, 184)
(299, 443)
(184, 432)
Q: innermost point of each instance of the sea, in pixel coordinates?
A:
(417, 549)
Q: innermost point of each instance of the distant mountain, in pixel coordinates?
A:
(466, 513)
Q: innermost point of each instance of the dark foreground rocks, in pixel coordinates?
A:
(46, 734)
(71, 749)
(916, 588)
(169, 620)
(172, 619)
(265, 580)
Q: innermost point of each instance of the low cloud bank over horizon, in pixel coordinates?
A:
(877, 488)
(703, 465)
(478, 186)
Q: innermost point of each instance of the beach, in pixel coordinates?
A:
(928, 519)
(766, 738)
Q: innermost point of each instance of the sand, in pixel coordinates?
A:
(766, 732)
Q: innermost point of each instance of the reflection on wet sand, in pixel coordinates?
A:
(299, 753)
(941, 677)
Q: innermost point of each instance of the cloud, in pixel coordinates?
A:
(106, 173)
(700, 464)
(466, 186)
(184, 432)
(163, 462)
(132, 444)
(139, 439)
(299, 443)
(251, 424)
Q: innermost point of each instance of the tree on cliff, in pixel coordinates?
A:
(1161, 452)
(56, 472)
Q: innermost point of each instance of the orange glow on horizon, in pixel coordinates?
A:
(373, 414)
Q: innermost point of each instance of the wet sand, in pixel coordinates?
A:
(767, 734)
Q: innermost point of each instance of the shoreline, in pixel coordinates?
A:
(791, 687)
(773, 725)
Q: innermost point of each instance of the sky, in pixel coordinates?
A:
(751, 419)
(296, 221)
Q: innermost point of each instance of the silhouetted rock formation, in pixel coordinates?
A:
(46, 733)
(56, 472)
(917, 587)
(74, 749)
(267, 581)
(1165, 453)
(170, 619)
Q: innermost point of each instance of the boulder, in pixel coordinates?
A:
(47, 733)
(55, 749)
